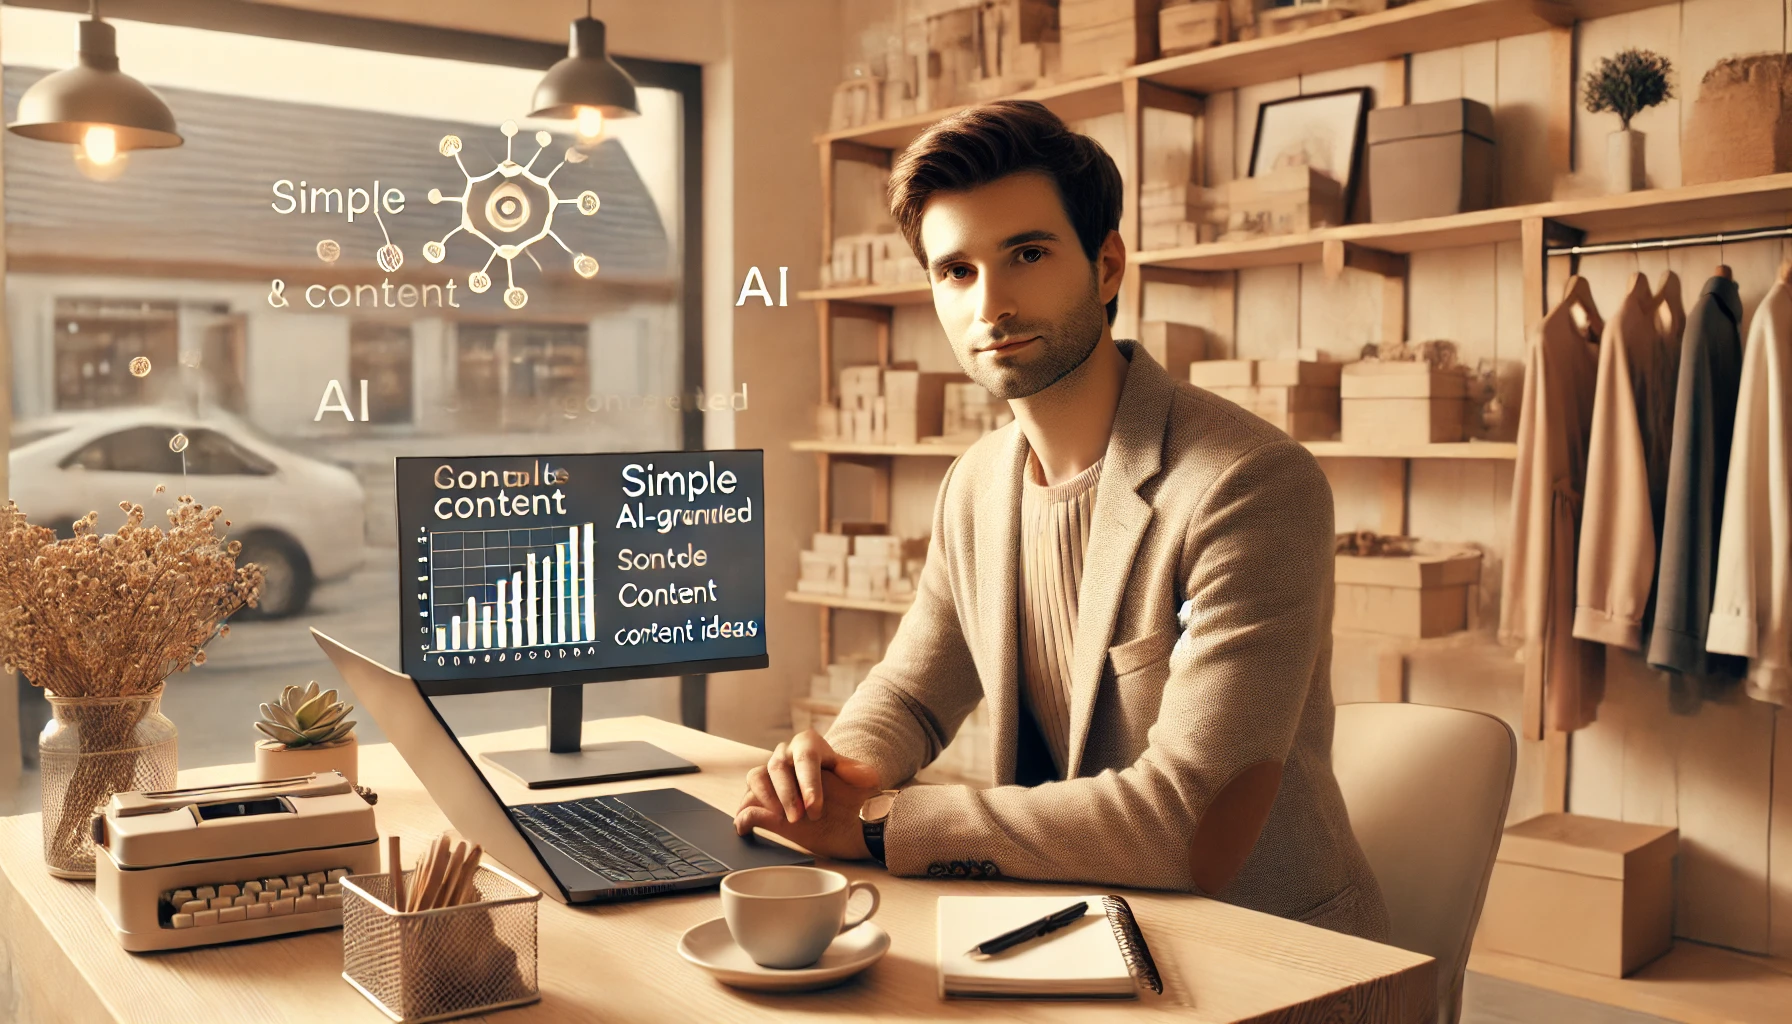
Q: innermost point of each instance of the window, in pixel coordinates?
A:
(95, 341)
(523, 374)
(174, 258)
(380, 354)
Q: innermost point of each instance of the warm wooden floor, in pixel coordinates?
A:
(1694, 983)
(1490, 1000)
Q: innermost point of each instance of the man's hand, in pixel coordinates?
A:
(811, 795)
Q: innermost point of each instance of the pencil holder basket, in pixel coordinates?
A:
(448, 962)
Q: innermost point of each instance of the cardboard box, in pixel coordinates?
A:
(1173, 345)
(914, 404)
(1104, 36)
(1223, 373)
(1394, 403)
(1304, 413)
(1741, 123)
(1291, 372)
(1586, 893)
(1413, 596)
(1187, 27)
(1283, 202)
(882, 547)
(1090, 13)
(836, 544)
(1430, 159)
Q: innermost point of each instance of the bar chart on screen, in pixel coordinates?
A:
(513, 595)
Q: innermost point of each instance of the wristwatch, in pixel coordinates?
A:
(873, 813)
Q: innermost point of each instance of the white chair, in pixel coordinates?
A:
(1427, 789)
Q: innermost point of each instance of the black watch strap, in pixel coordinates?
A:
(874, 839)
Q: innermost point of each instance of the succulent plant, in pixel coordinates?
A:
(306, 718)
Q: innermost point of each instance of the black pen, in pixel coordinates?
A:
(1031, 930)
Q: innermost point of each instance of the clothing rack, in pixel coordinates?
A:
(1671, 242)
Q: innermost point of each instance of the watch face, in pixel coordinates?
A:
(877, 808)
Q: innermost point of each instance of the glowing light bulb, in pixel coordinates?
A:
(100, 144)
(590, 121)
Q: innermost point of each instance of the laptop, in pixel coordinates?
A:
(590, 850)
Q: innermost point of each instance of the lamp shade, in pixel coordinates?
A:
(62, 106)
(587, 78)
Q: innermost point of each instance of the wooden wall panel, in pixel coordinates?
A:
(1779, 839)
(1520, 117)
(1725, 773)
(1268, 312)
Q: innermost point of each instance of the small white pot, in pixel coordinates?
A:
(275, 761)
(1624, 161)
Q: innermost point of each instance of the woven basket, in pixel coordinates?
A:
(449, 962)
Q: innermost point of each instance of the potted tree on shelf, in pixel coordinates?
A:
(1626, 84)
(307, 731)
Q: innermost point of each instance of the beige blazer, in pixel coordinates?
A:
(1751, 609)
(1199, 502)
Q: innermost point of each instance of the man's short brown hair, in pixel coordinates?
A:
(985, 143)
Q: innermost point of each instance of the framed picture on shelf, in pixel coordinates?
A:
(1323, 131)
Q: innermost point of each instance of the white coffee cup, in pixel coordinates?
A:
(786, 916)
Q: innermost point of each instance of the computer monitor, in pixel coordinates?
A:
(526, 571)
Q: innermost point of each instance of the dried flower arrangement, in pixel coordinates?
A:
(114, 615)
(1628, 83)
(101, 621)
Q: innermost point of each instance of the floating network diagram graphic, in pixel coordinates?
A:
(508, 210)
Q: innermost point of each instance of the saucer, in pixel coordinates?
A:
(711, 947)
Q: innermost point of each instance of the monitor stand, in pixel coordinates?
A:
(566, 762)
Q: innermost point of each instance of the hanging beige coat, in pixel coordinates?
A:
(1548, 488)
(1627, 469)
(1751, 609)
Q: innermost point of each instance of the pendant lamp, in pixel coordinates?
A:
(587, 86)
(95, 106)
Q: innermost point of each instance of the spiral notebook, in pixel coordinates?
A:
(1101, 954)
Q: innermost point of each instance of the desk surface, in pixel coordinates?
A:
(620, 961)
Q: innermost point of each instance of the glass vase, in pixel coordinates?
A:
(92, 748)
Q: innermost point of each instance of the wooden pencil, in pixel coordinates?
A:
(469, 887)
(443, 895)
(394, 872)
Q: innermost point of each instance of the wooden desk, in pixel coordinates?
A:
(620, 962)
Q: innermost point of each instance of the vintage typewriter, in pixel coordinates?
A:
(193, 867)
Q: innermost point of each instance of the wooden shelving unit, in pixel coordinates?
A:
(1497, 450)
(851, 603)
(1181, 84)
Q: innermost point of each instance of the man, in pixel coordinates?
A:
(1135, 574)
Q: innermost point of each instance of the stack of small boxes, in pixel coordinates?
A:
(1104, 36)
(1177, 214)
(899, 405)
(968, 412)
(1283, 201)
(883, 258)
(1298, 396)
(862, 566)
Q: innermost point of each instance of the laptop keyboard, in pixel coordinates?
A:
(614, 841)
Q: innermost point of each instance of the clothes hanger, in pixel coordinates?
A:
(1668, 295)
(1785, 273)
(1578, 294)
(1723, 271)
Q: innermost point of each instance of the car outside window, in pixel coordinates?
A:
(210, 453)
(137, 450)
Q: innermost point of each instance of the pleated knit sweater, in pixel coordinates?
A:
(1055, 524)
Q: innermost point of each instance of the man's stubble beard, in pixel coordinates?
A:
(1068, 345)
